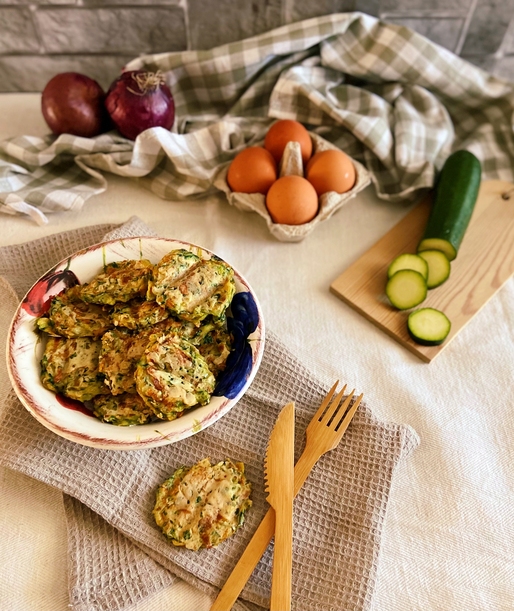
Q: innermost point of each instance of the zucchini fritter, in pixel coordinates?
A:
(138, 314)
(121, 351)
(214, 343)
(205, 288)
(173, 266)
(127, 409)
(201, 506)
(71, 317)
(173, 376)
(182, 328)
(120, 281)
(70, 366)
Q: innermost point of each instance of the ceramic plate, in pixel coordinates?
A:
(71, 419)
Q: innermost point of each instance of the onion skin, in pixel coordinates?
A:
(73, 103)
(138, 100)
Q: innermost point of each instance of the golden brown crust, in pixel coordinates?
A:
(201, 506)
(120, 281)
(173, 376)
(127, 409)
(70, 366)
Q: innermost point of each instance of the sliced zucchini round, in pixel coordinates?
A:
(439, 267)
(408, 261)
(438, 244)
(428, 326)
(406, 289)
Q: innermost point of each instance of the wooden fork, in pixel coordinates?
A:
(324, 432)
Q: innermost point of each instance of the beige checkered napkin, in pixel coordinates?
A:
(339, 514)
(391, 98)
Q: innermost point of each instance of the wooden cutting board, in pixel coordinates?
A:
(484, 263)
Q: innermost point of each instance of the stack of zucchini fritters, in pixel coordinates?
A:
(141, 342)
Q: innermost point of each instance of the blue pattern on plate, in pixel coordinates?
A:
(243, 322)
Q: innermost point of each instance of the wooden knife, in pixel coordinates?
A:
(279, 473)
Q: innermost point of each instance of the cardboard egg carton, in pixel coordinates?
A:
(291, 164)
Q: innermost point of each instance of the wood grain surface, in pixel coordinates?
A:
(485, 261)
(279, 471)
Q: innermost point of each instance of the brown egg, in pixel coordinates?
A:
(253, 170)
(292, 200)
(331, 170)
(282, 132)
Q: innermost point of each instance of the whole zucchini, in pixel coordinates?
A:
(455, 197)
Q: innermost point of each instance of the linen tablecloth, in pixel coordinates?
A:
(338, 517)
(451, 508)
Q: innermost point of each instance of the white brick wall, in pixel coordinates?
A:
(39, 38)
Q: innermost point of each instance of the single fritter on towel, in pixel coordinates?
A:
(201, 506)
(69, 316)
(172, 376)
(127, 409)
(120, 281)
(192, 288)
(70, 366)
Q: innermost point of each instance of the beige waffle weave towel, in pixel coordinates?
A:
(117, 555)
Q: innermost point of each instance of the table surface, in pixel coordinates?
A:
(449, 538)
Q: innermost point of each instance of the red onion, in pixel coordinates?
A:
(138, 100)
(73, 103)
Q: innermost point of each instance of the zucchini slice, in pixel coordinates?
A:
(406, 289)
(454, 201)
(438, 267)
(428, 326)
(408, 261)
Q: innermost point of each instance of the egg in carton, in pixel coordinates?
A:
(290, 165)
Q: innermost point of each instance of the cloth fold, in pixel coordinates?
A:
(117, 555)
(389, 97)
(101, 559)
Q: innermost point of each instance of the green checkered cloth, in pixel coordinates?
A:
(389, 97)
